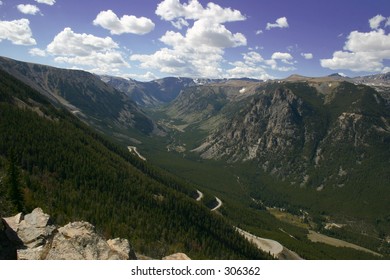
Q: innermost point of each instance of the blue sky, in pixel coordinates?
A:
(197, 38)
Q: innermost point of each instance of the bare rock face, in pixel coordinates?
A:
(35, 229)
(38, 239)
(302, 131)
(177, 257)
(269, 126)
(78, 241)
(122, 248)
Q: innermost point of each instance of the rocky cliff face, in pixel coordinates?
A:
(270, 123)
(34, 237)
(296, 130)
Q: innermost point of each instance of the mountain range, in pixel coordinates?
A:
(319, 144)
(160, 91)
(314, 148)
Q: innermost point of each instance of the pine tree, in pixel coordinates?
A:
(12, 182)
(6, 207)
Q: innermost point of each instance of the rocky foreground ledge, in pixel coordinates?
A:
(35, 237)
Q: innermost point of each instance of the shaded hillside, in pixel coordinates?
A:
(83, 94)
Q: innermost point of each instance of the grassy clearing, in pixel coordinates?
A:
(288, 218)
(318, 237)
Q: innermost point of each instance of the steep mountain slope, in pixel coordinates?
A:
(83, 94)
(381, 82)
(75, 173)
(287, 128)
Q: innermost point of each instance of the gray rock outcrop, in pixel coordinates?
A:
(177, 257)
(36, 238)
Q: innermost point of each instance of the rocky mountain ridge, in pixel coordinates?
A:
(377, 79)
(150, 94)
(287, 127)
(161, 91)
(380, 82)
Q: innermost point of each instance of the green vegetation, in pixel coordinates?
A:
(221, 180)
(13, 184)
(74, 173)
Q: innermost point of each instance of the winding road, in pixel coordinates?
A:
(200, 195)
(219, 205)
(133, 149)
(267, 245)
(270, 246)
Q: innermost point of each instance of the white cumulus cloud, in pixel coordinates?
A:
(352, 61)
(386, 70)
(376, 21)
(86, 50)
(69, 43)
(148, 76)
(258, 32)
(284, 57)
(363, 51)
(280, 23)
(307, 55)
(252, 66)
(126, 24)
(47, 2)
(252, 58)
(198, 50)
(37, 52)
(213, 34)
(170, 10)
(28, 9)
(242, 70)
(180, 23)
(197, 53)
(255, 66)
(17, 31)
(167, 61)
(277, 57)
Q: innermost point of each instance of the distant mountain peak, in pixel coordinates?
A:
(338, 75)
(296, 77)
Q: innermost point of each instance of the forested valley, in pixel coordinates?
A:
(50, 159)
